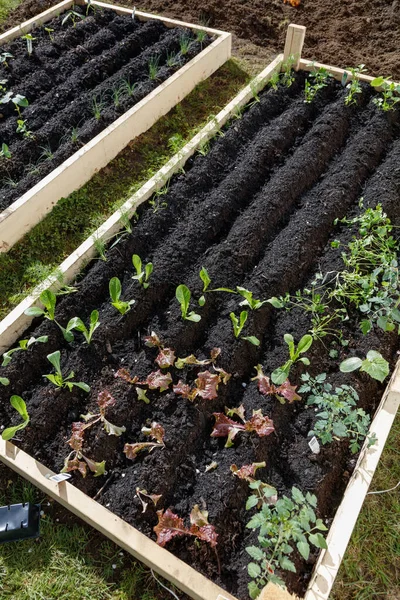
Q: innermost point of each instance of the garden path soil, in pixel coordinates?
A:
(77, 82)
(256, 212)
(344, 33)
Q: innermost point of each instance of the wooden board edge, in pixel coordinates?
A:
(159, 559)
(336, 72)
(16, 321)
(73, 173)
(327, 566)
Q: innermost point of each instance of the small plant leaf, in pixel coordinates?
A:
(205, 278)
(350, 364)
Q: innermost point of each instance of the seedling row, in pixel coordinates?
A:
(248, 308)
(68, 79)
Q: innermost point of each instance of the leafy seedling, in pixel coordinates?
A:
(238, 323)
(320, 78)
(183, 296)
(19, 102)
(23, 128)
(374, 364)
(29, 42)
(72, 16)
(226, 427)
(142, 275)
(18, 403)
(5, 151)
(79, 325)
(49, 299)
(154, 67)
(63, 382)
(288, 522)
(156, 432)
(115, 293)
(184, 44)
(50, 32)
(280, 374)
(354, 87)
(4, 58)
(283, 392)
(23, 345)
(389, 94)
(170, 525)
(4, 381)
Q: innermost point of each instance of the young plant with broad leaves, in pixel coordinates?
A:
(19, 404)
(183, 296)
(170, 525)
(58, 379)
(353, 87)
(122, 306)
(281, 374)
(282, 526)
(77, 324)
(390, 94)
(374, 364)
(338, 417)
(224, 426)
(283, 392)
(143, 272)
(316, 81)
(156, 432)
(238, 323)
(49, 301)
(206, 385)
(22, 345)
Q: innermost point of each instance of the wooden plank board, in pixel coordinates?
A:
(77, 170)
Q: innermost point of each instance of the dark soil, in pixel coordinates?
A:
(256, 211)
(76, 85)
(344, 33)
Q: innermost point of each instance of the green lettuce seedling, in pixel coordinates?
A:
(79, 325)
(239, 323)
(5, 151)
(142, 275)
(4, 381)
(58, 380)
(375, 365)
(23, 345)
(282, 373)
(20, 406)
(115, 293)
(49, 300)
(183, 295)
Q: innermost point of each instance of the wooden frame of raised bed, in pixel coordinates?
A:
(162, 561)
(77, 170)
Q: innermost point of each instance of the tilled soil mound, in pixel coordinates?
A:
(258, 211)
(344, 33)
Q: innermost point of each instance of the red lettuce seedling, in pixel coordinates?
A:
(165, 358)
(125, 375)
(76, 460)
(263, 490)
(157, 381)
(153, 341)
(170, 525)
(156, 432)
(247, 472)
(206, 385)
(191, 360)
(226, 427)
(282, 392)
(154, 498)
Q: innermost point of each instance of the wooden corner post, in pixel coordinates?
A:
(294, 44)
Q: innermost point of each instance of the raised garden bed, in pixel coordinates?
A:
(93, 79)
(256, 211)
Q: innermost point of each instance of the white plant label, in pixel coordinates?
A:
(314, 445)
(60, 477)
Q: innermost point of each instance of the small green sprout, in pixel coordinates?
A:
(79, 325)
(374, 364)
(354, 87)
(183, 295)
(73, 16)
(98, 106)
(22, 128)
(389, 93)
(22, 345)
(280, 374)
(172, 59)
(201, 36)
(142, 275)
(184, 44)
(5, 151)
(50, 31)
(49, 300)
(63, 382)
(154, 67)
(238, 323)
(29, 42)
(4, 57)
(128, 87)
(320, 79)
(18, 403)
(115, 294)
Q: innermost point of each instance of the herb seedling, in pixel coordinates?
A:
(79, 325)
(226, 427)
(172, 59)
(184, 44)
(22, 128)
(156, 202)
(29, 42)
(154, 67)
(98, 105)
(156, 432)
(290, 521)
(5, 152)
(3, 88)
(374, 364)
(354, 87)
(74, 135)
(22, 345)
(115, 293)
(287, 76)
(282, 373)
(201, 36)
(142, 275)
(183, 295)
(63, 382)
(128, 87)
(18, 403)
(47, 153)
(389, 94)
(170, 525)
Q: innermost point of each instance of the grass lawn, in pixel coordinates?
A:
(71, 561)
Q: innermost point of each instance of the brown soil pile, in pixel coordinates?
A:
(344, 33)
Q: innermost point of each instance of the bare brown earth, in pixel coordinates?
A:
(343, 33)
